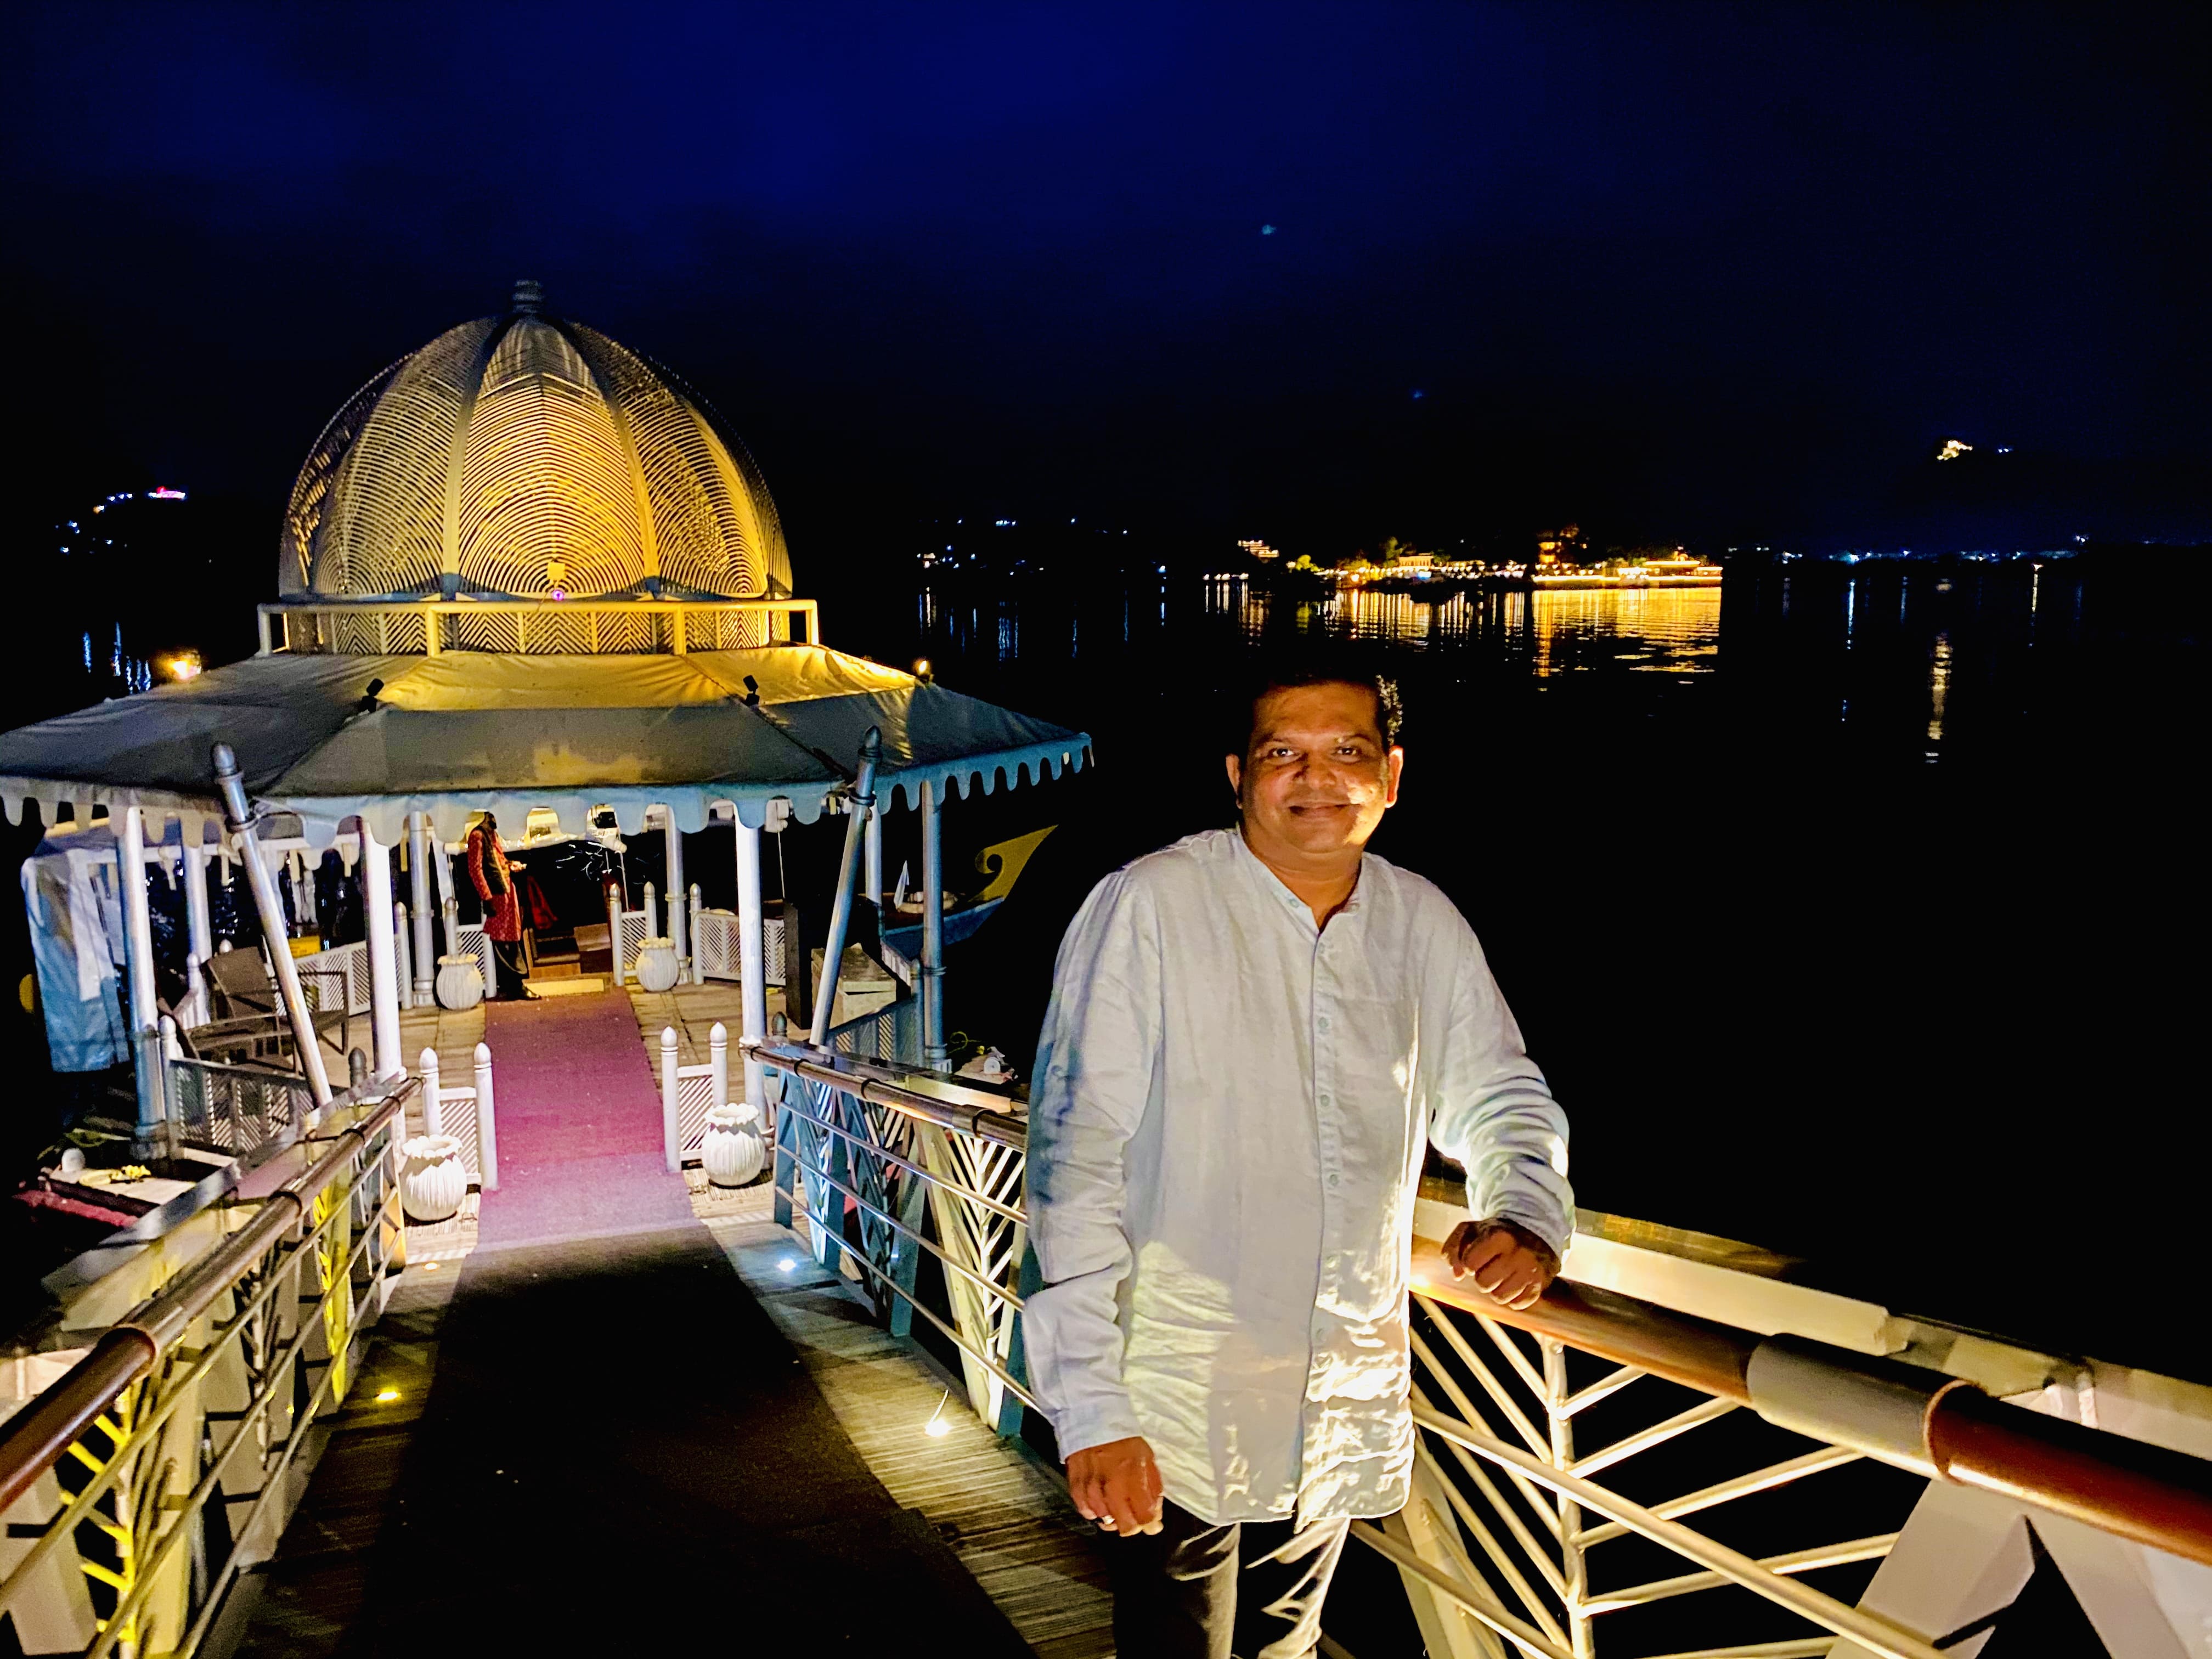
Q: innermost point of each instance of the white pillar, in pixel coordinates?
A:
(932, 931)
(199, 938)
(873, 858)
(138, 950)
(434, 1122)
(487, 1124)
(672, 1144)
(614, 934)
(404, 965)
(383, 953)
(753, 985)
(652, 913)
(304, 866)
(419, 906)
(698, 963)
(672, 838)
(449, 903)
(718, 1056)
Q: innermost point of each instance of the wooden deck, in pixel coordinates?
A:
(1002, 1508)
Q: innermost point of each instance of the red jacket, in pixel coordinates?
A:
(494, 879)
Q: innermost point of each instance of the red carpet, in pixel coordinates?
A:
(579, 1153)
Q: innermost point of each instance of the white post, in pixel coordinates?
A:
(672, 838)
(403, 971)
(138, 948)
(753, 985)
(449, 903)
(170, 1047)
(718, 1056)
(487, 1124)
(670, 1145)
(418, 906)
(933, 933)
(383, 977)
(652, 913)
(199, 937)
(871, 863)
(303, 893)
(614, 935)
(698, 961)
(434, 1122)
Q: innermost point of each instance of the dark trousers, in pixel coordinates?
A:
(506, 969)
(1252, 1589)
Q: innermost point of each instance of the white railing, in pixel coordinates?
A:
(687, 1093)
(563, 627)
(165, 1458)
(467, 1111)
(1562, 1450)
(232, 1109)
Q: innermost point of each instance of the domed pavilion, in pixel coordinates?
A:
(527, 570)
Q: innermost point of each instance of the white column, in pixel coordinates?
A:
(698, 964)
(873, 858)
(138, 950)
(752, 985)
(199, 938)
(672, 838)
(449, 903)
(614, 934)
(672, 1144)
(717, 1057)
(403, 967)
(652, 913)
(419, 908)
(932, 931)
(434, 1120)
(383, 953)
(487, 1124)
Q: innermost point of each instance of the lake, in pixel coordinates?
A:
(1853, 911)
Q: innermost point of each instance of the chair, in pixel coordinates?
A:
(249, 1022)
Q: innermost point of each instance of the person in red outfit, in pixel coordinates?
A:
(493, 876)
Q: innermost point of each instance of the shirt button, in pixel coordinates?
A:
(1324, 1099)
(1322, 1022)
(1332, 1180)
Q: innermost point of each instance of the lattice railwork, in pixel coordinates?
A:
(715, 943)
(569, 634)
(232, 1109)
(351, 960)
(488, 630)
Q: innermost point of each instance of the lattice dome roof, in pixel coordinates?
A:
(525, 455)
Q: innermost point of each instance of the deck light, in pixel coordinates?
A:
(937, 1428)
(385, 1396)
(921, 669)
(786, 1264)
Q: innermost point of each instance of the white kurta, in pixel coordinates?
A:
(1226, 1133)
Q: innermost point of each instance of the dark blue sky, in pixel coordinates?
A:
(1703, 272)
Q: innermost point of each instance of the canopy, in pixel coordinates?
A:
(467, 732)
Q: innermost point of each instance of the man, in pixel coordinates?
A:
(492, 874)
(1252, 1035)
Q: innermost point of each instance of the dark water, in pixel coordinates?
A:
(1857, 912)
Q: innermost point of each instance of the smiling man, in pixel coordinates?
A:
(1253, 1035)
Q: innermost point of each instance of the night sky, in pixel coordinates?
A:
(1709, 273)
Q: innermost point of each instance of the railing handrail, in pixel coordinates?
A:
(1914, 1418)
(950, 1104)
(37, 1437)
(258, 1073)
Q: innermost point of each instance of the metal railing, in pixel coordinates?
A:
(1535, 1428)
(138, 1486)
(234, 1109)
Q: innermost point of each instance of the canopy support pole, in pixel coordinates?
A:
(858, 806)
(873, 864)
(678, 934)
(419, 908)
(752, 966)
(146, 1051)
(932, 931)
(306, 1041)
(383, 953)
(199, 937)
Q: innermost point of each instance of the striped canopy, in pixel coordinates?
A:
(467, 732)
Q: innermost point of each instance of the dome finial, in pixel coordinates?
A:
(529, 297)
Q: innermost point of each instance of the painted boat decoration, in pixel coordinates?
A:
(1002, 863)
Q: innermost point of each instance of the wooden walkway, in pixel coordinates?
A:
(1003, 1509)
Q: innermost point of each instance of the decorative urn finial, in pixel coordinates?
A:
(529, 296)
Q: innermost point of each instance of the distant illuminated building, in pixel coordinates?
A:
(1952, 448)
(1259, 550)
(1562, 546)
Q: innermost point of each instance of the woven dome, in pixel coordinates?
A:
(522, 455)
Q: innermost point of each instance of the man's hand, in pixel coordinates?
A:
(1508, 1263)
(1117, 1485)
